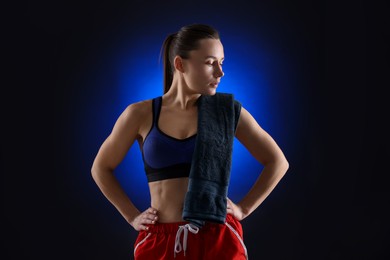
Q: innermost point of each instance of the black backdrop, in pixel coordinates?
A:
(346, 213)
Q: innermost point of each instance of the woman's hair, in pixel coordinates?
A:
(181, 43)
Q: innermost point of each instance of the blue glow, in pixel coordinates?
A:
(141, 78)
(250, 71)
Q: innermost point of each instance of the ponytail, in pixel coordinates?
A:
(167, 64)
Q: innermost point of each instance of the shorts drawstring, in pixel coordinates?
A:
(184, 228)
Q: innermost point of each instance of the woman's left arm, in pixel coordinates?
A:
(267, 152)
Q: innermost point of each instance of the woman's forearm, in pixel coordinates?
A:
(114, 192)
(265, 183)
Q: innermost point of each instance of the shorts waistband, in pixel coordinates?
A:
(173, 227)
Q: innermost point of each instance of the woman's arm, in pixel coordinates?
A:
(266, 151)
(110, 155)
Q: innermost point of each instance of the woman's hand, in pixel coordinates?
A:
(147, 217)
(234, 210)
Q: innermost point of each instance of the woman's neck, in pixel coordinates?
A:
(180, 95)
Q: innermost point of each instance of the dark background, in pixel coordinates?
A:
(336, 196)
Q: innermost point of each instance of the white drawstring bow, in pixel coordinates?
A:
(185, 228)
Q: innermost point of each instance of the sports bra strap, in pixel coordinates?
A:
(156, 108)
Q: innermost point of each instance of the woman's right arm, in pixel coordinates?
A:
(110, 155)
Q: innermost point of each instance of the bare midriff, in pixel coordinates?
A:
(167, 197)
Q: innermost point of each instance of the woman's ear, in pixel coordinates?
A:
(178, 64)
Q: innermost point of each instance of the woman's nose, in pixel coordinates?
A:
(219, 72)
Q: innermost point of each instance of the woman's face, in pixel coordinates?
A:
(203, 69)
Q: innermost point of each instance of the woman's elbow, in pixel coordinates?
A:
(99, 170)
(280, 163)
(284, 164)
(96, 170)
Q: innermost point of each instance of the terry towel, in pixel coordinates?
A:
(206, 198)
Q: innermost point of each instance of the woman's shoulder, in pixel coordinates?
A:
(139, 109)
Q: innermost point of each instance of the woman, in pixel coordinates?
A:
(166, 130)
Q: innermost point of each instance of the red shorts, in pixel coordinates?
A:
(182, 240)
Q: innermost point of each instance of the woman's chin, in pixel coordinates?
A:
(211, 92)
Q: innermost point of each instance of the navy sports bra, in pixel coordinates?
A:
(166, 157)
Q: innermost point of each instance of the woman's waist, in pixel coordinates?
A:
(167, 197)
(168, 211)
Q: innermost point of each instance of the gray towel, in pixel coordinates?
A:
(206, 198)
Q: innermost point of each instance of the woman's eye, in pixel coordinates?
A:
(212, 63)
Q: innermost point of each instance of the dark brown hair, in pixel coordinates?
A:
(181, 43)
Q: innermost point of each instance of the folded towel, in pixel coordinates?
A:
(206, 198)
